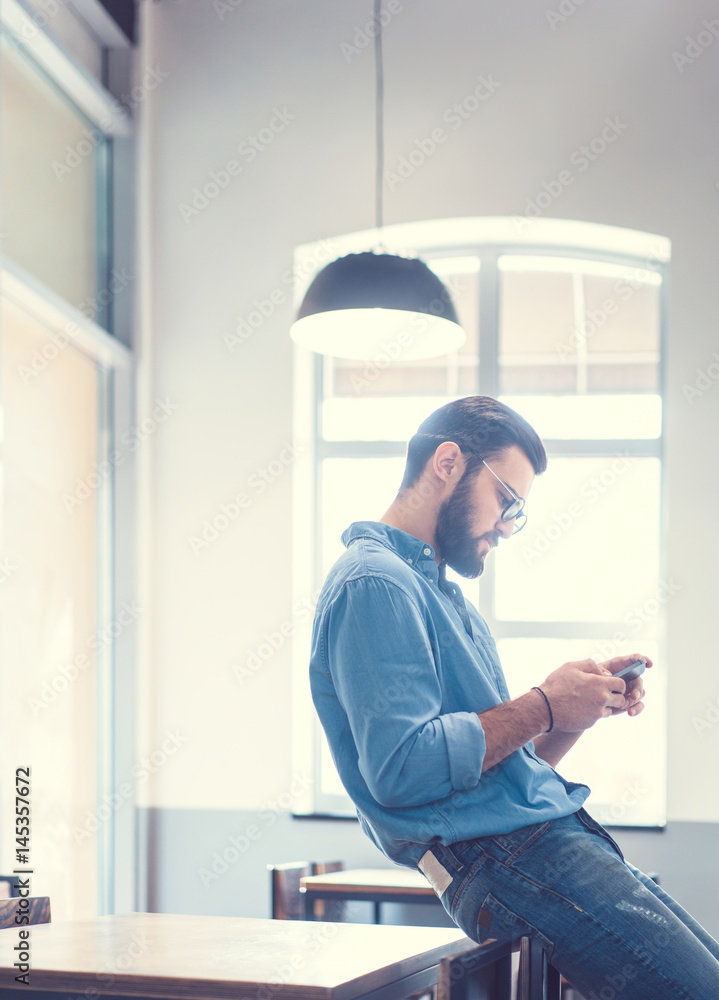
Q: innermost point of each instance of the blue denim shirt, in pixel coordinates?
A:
(400, 667)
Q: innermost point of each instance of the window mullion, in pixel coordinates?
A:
(580, 309)
(488, 323)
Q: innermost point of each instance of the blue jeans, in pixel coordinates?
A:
(605, 925)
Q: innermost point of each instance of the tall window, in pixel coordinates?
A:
(564, 323)
(62, 375)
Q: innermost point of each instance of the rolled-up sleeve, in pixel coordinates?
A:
(378, 651)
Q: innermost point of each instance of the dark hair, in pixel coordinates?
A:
(482, 425)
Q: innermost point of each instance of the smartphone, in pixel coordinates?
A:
(633, 671)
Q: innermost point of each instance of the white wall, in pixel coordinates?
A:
(227, 72)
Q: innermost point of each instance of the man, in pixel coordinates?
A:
(450, 775)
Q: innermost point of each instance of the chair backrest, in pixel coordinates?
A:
(332, 910)
(325, 867)
(537, 978)
(485, 973)
(478, 974)
(287, 903)
(35, 908)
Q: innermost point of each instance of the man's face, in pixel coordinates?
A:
(469, 522)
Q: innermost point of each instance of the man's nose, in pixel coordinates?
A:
(504, 528)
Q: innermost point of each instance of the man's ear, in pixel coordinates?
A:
(448, 462)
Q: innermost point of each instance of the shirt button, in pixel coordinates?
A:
(428, 552)
(409, 560)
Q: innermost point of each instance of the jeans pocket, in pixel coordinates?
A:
(495, 921)
(444, 871)
(591, 824)
(514, 844)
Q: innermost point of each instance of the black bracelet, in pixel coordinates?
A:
(549, 708)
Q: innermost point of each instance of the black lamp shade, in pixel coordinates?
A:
(378, 281)
(359, 304)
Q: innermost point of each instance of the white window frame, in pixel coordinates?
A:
(487, 239)
(104, 342)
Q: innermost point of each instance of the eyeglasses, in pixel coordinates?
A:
(513, 510)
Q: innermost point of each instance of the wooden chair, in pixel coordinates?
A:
(484, 973)
(35, 908)
(287, 901)
(537, 977)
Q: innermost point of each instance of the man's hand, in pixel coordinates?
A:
(634, 691)
(596, 682)
(583, 691)
(579, 693)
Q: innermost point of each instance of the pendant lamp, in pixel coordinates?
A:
(368, 304)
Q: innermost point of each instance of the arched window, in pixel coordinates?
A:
(564, 323)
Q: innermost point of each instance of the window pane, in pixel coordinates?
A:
(522, 377)
(415, 378)
(622, 316)
(576, 326)
(590, 550)
(591, 417)
(48, 163)
(535, 310)
(392, 419)
(49, 635)
(354, 489)
(622, 760)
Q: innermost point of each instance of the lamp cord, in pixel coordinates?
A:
(379, 116)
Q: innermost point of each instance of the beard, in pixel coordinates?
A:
(457, 545)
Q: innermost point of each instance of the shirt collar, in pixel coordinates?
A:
(412, 550)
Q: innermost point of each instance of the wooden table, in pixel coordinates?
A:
(166, 957)
(376, 885)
